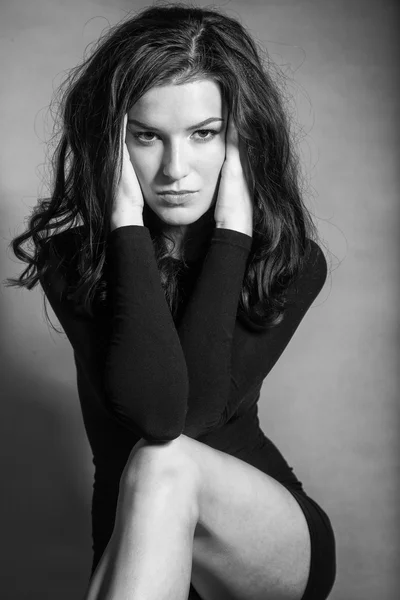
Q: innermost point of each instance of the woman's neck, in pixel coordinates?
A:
(190, 240)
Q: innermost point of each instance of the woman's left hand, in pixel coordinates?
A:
(234, 207)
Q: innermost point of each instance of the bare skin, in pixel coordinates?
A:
(187, 512)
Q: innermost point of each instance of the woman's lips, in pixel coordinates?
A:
(176, 199)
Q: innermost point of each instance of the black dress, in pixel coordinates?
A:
(142, 373)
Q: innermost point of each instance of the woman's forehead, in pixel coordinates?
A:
(186, 104)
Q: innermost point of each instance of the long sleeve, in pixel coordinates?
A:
(146, 381)
(225, 355)
(207, 328)
(135, 366)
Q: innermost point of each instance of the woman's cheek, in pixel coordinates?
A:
(214, 159)
(141, 165)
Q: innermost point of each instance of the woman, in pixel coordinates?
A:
(187, 264)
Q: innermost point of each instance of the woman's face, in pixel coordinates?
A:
(171, 148)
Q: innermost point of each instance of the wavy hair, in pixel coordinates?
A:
(161, 45)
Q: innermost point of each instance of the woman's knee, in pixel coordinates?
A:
(167, 464)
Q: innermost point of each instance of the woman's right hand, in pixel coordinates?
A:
(128, 204)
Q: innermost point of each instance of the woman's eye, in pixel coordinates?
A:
(141, 133)
(208, 133)
(213, 133)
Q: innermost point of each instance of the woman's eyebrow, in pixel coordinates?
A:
(145, 126)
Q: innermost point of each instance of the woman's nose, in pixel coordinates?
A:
(175, 163)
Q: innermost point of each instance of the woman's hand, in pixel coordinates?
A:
(128, 204)
(234, 207)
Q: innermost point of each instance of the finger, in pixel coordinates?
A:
(124, 127)
(232, 140)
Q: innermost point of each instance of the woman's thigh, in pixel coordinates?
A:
(252, 540)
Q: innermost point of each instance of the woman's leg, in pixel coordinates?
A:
(241, 533)
(149, 555)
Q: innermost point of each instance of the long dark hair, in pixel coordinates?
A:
(163, 44)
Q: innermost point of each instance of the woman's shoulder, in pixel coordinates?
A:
(313, 273)
(315, 260)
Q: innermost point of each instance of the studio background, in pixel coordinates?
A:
(330, 403)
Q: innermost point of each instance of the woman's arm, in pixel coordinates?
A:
(206, 329)
(225, 357)
(138, 371)
(146, 380)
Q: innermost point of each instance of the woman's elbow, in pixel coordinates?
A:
(162, 423)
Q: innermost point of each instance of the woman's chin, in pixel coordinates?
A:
(179, 215)
(183, 215)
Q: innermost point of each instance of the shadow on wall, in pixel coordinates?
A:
(46, 491)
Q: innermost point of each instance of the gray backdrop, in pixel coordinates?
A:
(330, 404)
